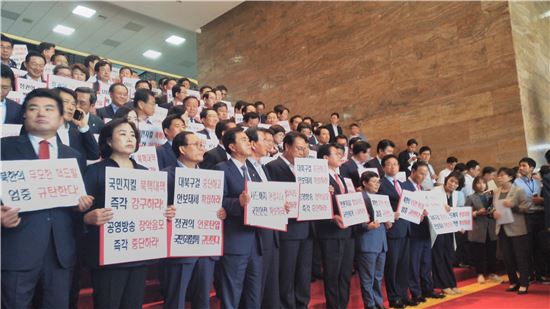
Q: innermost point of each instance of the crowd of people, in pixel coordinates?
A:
(44, 251)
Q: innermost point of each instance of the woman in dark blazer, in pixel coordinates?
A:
(482, 237)
(512, 237)
(371, 247)
(117, 285)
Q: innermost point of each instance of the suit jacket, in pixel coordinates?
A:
(94, 180)
(105, 112)
(24, 246)
(238, 238)
(279, 171)
(85, 143)
(331, 130)
(546, 194)
(95, 123)
(205, 132)
(269, 238)
(400, 228)
(518, 227)
(166, 156)
(374, 163)
(371, 240)
(403, 159)
(482, 225)
(422, 230)
(328, 229)
(349, 170)
(13, 113)
(312, 140)
(213, 157)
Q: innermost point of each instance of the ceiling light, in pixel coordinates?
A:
(83, 11)
(175, 40)
(153, 54)
(63, 30)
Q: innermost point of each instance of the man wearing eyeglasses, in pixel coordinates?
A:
(34, 62)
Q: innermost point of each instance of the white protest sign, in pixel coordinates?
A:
(352, 208)
(41, 184)
(462, 218)
(194, 93)
(130, 83)
(48, 70)
(315, 202)
(267, 206)
(147, 156)
(401, 176)
(16, 96)
(26, 85)
(370, 169)
(506, 215)
(54, 81)
(159, 115)
(151, 134)
(411, 206)
(382, 208)
(19, 53)
(285, 125)
(312, 154)
(138, 229)
(292, 193)
(103, 91)
(238, 118)
(440, 222)
(196, 229)
(349, 185)
(18, 73)
(194, 127)
(209, 144)
(11, 129)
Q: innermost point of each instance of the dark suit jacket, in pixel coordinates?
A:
(331, 130)
(105, 112)
(166, 156)
(238, 238)
(95, 123)
(421, 230)
(94, 179)
(371, 240)
(279, 171)
(204, 132)
(546, 194)
(349, 170)
(328, 229)
(213, 157)
(24, 246)
(403, 160)
(85, 143)
(400, 228)
(374, 163)
(13, 113)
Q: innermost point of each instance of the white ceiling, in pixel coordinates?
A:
(120, 31)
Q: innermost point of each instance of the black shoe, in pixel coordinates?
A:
(514, 288)
(419, 299)
(433, 294)
(397, 304)
(412, 302)
(522, 292)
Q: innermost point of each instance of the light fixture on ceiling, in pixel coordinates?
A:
(152, 54)
(83, 11)
(63, 30)
(174, 40)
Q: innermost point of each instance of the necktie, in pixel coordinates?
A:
(44, 149)
(340, 185)
(397, 187)
(245, 173)
(418, 187)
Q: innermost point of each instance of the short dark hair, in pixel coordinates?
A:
(188, 98)
(308, 117)
(123, 111)
(488, 170)
(60, 67)
(452, 160)
(221, 87)
(529, 162)
(219, 105)
(102, 63)
(45, 46)
(89, 59)
(545, 169)
(547, 156)
(477, 179)
(180, 140)
(252, 134)
(424, 149)
(113, 86)
(324, 150)
(258, 103)
(418, 164)
(167, 80)
(60, 53)
(126, 68)
(359, 147)
(353, 125)
(90, 91)
(6, 39)
(290, 138)
(43, 93)
(250, 115)
(239, 105)
(471, 164)
(176, 89)
(207, 94)
(412, 141)
(366, 176)
(342, 136)
(319, 129)
(388, 157)
(167, 122)
(106, 135)
(205, 111)
(454, 174)
(383, 144)
(294, 118)
(34, 54)
(181, 80)
(277, 129)
(144, 81)
(230, 137)
(142, 95)
(508, 171)
(201, 89)
(68, 91)
(81, 68)
(221, 127)
(460, 167)
(354, 140)
(245, 107)
(335, 114)
(303, 126)
(8, 73)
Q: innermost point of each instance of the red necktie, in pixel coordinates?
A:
(418, 187)
(44, 149)
(339, 182)
(397, 187)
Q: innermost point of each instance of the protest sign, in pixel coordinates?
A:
(506, 215)
(382, 208)
(11, 129)
(53, 81)
(352, 208)
(462, 218)
(147, 156)
(266, 208)
(411, 206)
(315, 202)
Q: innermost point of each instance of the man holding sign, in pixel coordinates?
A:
(10, 113)
(337, 244)
(241, 265)
(38, 247)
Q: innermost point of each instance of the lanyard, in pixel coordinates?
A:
(530, 185)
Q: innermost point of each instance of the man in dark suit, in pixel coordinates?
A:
(351, 168)
(10, 111)
(296, 246)
(261, 141)
(172, 125)
(322, 135)
(385, 147)
(218, 154)
(336, 241)
(38, 247)
(420, 270)
(178, 93)
(334, 128)
(396, 274)
(408, 157)
(119, 96)
(85, 100)
(241, 264)
(209, 119)
(546, 194)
